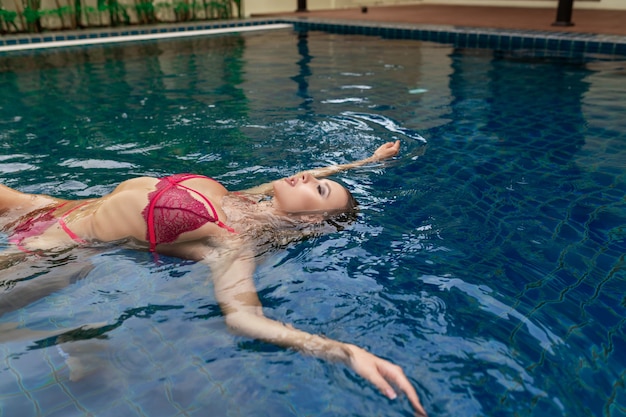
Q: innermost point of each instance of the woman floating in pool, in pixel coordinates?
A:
(195, 217)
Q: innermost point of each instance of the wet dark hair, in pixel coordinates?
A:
(352, 204)
(346, 215)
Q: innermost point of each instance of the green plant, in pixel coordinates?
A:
(181, 10)
(61, 12)
(7, 20)
(32, 15)
(78, 12)
(74, 14)
(117, 13)
(145, 10)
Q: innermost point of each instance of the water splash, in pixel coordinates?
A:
(385, 122)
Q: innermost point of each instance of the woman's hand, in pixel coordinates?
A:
(387, 150)
(382, 374)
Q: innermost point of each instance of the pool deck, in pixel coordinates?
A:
(601, 22)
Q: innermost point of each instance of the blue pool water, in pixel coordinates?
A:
(487, 261)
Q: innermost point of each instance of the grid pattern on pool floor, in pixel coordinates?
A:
(501, 39)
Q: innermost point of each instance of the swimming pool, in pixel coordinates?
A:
(488, 259)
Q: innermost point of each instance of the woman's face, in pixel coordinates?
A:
(306, 194)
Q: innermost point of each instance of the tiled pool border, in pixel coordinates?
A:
(470, 37)
(473, 37)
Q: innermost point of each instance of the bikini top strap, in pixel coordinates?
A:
(184, 177)
(216, 219)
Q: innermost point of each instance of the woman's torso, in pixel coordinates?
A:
(180, 209)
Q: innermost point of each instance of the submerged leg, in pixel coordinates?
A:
(25, 279)
(83, 357)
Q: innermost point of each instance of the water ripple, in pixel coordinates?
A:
(95, 164)
(387, 123)
(487, 302)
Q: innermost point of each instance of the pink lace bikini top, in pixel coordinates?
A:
(172, 210)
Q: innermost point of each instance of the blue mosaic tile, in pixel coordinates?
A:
(542, 43)
(607, 48)
(461, 39)
(483, 40)
(577, 46)
(553, 44)
(593, 47)
(528, 43)
(505, 42)
(516, 42)
(472, 40)
(493, 42)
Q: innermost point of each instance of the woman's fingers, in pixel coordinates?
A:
(383, 386)
(382, 374)
(387, 150)
(395, 375)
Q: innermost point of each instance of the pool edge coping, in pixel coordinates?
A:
(460, 36)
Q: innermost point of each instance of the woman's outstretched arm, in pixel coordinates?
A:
(239, 302)
(385, 151)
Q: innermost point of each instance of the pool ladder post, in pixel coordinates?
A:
(564, 13)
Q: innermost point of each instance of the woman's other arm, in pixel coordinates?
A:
(239, 302)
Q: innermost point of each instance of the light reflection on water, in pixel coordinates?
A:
(487, 259)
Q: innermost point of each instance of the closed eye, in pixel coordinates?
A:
(324, 189)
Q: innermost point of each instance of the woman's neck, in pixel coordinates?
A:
(262, 224)
(247, 211)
